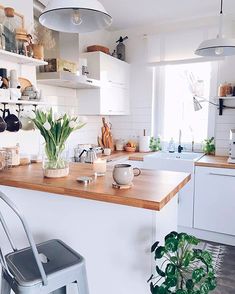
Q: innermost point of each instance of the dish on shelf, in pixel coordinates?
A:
(24, 83)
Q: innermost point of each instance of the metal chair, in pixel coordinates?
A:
(43, 268)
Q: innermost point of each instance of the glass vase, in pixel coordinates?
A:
(55, 165)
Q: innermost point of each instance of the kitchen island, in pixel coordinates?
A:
(113, 229)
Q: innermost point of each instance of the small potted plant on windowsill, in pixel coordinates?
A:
(209, 146)
(184, 269)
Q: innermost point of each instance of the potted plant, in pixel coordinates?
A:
(55, 130)
(184, 269)
(155, 144)
(209, 146)
(42, 39)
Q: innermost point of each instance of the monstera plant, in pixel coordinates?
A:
(181, 268)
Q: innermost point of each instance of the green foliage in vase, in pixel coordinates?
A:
(209, 146)
(184, 269)
(55, 130)
(155, 144)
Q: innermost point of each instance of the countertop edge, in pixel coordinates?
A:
(132, 202)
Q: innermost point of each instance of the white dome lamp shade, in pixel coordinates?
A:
(75, 16)
(219, 46)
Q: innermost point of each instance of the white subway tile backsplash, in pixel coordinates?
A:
(221, 151)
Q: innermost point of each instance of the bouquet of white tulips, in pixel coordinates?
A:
(55, 129)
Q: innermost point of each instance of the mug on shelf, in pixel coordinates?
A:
(27, 122)
(123, 174)
(12, 121)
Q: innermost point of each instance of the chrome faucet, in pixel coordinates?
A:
(180, 148)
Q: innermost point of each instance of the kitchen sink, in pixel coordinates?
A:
(183, 156)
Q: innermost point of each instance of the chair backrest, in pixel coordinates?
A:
(28, 235)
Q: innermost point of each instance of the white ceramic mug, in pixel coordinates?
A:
(27, 123)
(123, 174)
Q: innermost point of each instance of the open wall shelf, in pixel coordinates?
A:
(20, 59)
(22, 102)
(221, 103)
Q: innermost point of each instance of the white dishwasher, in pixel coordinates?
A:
(214, 207)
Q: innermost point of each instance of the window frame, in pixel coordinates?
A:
(158, 100)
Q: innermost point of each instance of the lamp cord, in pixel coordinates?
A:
(229, 107)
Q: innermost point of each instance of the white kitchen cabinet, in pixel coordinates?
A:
(104, 101)
(185, 201)
(107, 69)
(214, 206)
(112, 98)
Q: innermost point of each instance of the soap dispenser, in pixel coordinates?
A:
(171, 147)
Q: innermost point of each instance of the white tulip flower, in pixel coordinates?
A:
(31, 114)
(47, 126)
(72, 124)
(57, 116)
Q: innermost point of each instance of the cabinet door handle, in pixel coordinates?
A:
(221, 175)
(89, 81)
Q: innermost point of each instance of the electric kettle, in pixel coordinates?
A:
(90, 155)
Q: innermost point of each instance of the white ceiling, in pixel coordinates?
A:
(134, 13)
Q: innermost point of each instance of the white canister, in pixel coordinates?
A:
(144, 142)
(15, 94)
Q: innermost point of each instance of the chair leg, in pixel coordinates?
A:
(82, 283)
(5, 287)
(82, 287)
(60, 291)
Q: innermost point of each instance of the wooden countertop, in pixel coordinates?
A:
(151, 190)
(214, 161)
(116, 155)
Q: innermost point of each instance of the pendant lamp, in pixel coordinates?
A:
(75, 16)
(219, 46)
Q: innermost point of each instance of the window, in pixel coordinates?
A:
(179, 84)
